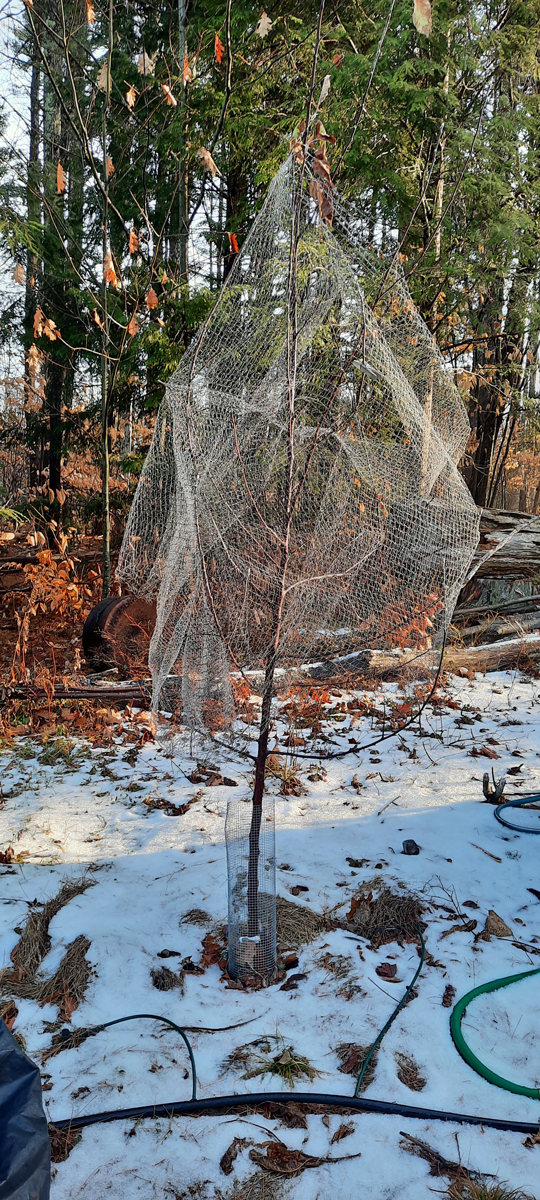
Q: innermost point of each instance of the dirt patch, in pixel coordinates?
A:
(386, 917)
(297, 925)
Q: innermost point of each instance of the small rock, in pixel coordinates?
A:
(410, 847)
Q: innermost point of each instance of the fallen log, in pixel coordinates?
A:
(495, 657)
(494, 630)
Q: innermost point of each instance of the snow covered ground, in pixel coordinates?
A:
(150, 869)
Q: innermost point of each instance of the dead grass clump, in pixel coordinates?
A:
(388, 917)
(297, 925)
(62, 1142)
(481, 1190)
(243, 1057)
(34, 943)
(338, 965)
(196, 916)
(165, 980)
(352, 1057)
(408, 1073)
(288, 1065)
(260, 1186)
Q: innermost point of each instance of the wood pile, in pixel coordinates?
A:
(505, 633)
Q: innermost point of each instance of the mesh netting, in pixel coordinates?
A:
(300, 500)
(251, 873)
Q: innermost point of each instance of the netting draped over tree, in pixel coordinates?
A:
(301, 498)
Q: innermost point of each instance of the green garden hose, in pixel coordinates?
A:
(392, 1018)
(458, 1012)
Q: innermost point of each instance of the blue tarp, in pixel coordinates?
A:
(25, 1156)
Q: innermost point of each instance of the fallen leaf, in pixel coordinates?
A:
(218, 48)
(422, 16)
(264, 26)
(484, 752)
(386, 970)
(60, 179)
(343, 1132)
(298, 888)
(291, 985)
(171, 100)
(212, 951)
(131, 96)
(208, 162)
(18, 274)
(237, 1144)
(534, 892)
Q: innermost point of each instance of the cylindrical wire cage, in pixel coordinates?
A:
(251, 870)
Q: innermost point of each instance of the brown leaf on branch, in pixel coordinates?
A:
(208, 162)
(422, 16)
(133, 241)
(109, 272)
(219, 48)
(324, 90)
(322, 135)
(151, 298)
(102, 76)
(233, 242)
(90, 12)
(97, 319)
(39, 317)
(146, 64)
(171, 100)
(51, 329)
(133, 326)
(187, 73)
(18, 274)
(131, 96)
(109, 166)
(60, 179)
(264, 26)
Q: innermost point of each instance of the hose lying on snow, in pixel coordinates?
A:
(356, 1103)
(458, 1012)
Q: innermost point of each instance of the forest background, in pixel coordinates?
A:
(137, 143)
